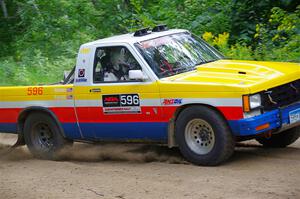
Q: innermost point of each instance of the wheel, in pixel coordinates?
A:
(282, 139)
(43, 137)
(203, 136)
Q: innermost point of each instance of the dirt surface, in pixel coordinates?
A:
(141, 171)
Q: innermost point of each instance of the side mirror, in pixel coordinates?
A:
(137, 75)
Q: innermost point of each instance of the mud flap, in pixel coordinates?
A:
(20, 141)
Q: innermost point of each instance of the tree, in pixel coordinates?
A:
(4, 9)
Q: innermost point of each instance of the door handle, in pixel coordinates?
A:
(95, 90)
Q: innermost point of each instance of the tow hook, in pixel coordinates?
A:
(267, 135)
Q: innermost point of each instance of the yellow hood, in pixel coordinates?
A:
(251, 75)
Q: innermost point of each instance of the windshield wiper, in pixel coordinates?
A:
(204, 62)
(181, 70)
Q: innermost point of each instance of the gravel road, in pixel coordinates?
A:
(123, 171)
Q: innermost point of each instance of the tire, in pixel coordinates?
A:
(203, 136)
(282, 139)
(43, 137)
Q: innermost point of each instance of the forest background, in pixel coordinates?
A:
(39, 39)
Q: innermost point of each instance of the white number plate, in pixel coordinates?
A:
(294, 116)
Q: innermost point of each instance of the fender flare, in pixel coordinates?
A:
(24, 114)
(172, 122)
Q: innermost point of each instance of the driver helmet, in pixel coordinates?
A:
(117, 58)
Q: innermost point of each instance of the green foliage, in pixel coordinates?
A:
(52, 26)
(40, 39)
(199, 16)
(33, 70)
(246, 14)
(279, 38)
(237, 51)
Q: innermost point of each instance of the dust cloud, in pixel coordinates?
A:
(138, 153)
(121, 152)
(14, 154)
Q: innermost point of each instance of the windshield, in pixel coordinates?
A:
(173, 54)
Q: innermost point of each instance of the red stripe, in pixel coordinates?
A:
(230, 113)
(65, 114)
(95, 114)
(9, 115)
(162, 114)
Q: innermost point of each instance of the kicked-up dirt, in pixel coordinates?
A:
(122, 171)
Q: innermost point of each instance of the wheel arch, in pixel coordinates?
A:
(30, 110)
(172, 122)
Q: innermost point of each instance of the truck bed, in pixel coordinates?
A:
(14, 100)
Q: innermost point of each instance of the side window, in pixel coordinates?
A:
(112, 64)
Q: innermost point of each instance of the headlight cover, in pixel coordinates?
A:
(251, 102)
(255, 101)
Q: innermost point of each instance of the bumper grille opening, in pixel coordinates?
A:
(281, 96)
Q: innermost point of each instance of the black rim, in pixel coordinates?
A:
(42, 136)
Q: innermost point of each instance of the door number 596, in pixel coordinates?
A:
(130, 100)
(35, 91)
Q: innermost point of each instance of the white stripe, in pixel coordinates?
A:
(97, 103)
(88, 103)
(150, 102)
(214, 101)
(157, 102)
(46, 103)
(236, 102)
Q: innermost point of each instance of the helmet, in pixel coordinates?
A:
(117, 57)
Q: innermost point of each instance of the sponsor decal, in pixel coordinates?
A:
(59, 90)
(111, 100)
(59, 97)
(63, 97)
(63, 90)
(123, 103)
(81, 80)
(81, 72)
(85, 50)
(172, 101)
(121, 110)
(81, 75)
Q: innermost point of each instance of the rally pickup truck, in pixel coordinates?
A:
(158, 86)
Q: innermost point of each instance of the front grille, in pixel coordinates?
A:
(281, 96)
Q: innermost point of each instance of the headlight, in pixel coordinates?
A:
(251, 102)
(255, 101)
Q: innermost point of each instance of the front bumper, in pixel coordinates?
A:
(277, 120)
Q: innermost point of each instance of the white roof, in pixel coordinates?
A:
(129, 38)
